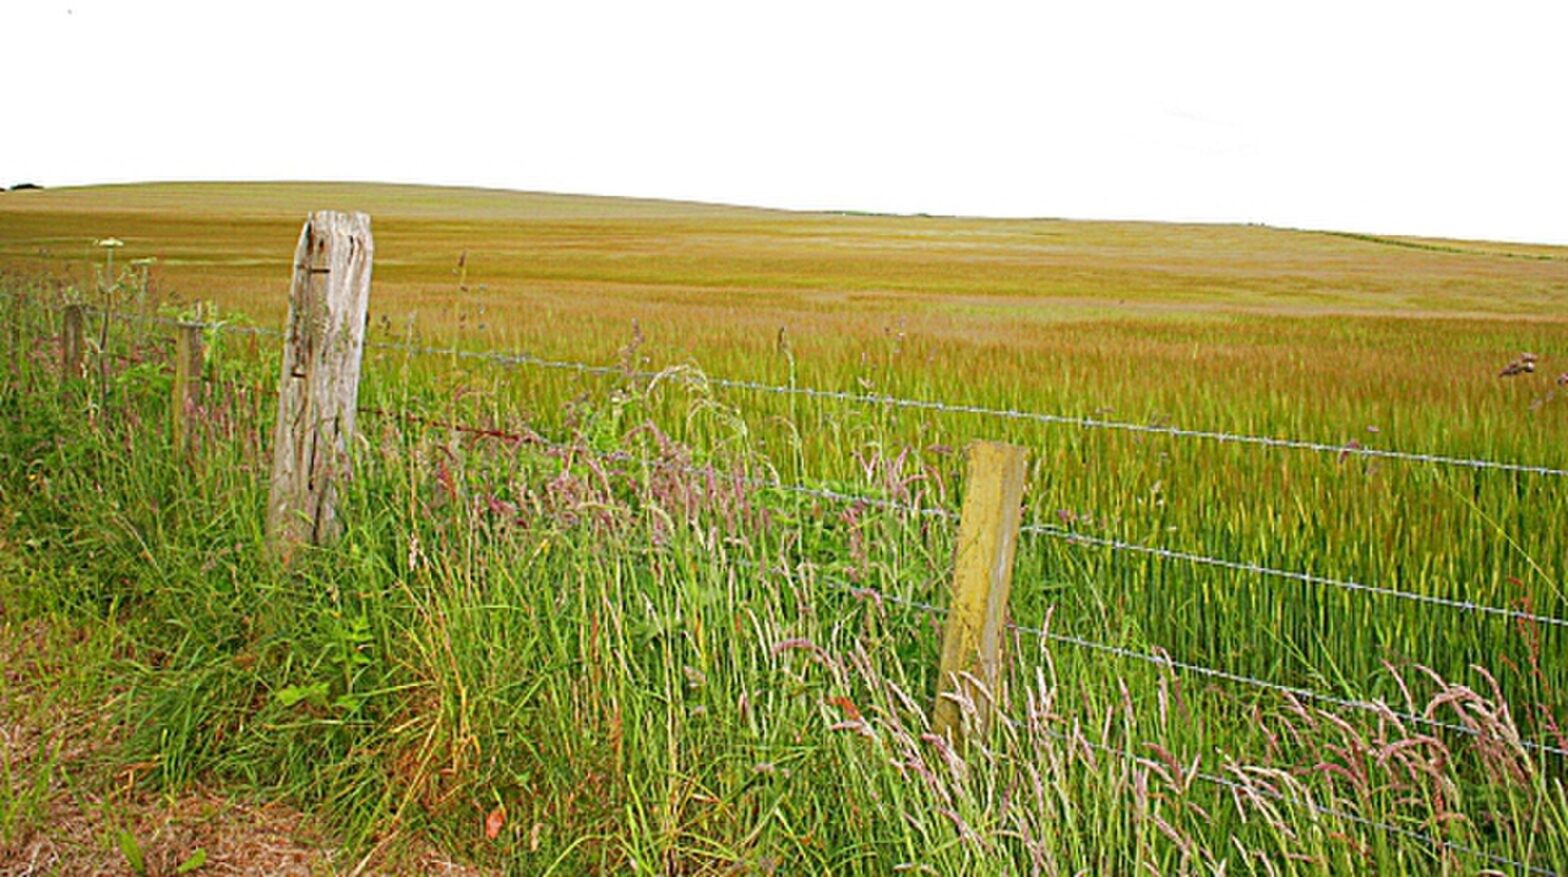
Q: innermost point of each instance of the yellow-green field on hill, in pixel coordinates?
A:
(1146, 319)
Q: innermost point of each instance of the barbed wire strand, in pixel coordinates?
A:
(1073, 536)
(1164, 661)
(163, 320)
(1169, 663)
(1249, 789)
(1342, 450)
(1374, 708)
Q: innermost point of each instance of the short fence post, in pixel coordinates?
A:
(319, 388)
(982, 578)
(187, 382)
(71, 343)
(18, 315)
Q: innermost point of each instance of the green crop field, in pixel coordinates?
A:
(598, 630)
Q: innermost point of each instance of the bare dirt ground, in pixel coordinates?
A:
(69, 807)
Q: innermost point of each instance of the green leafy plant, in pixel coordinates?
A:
(131, 849)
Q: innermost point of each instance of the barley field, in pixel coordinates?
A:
(646, 619)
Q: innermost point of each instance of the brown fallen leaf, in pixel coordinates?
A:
(493, 823)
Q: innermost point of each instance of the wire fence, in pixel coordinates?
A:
(1347, 449)
(1164, 661)
(222, 326)
(1341, 450)
(1079, 538)
(1241, 787)
(1156, 658)
(1072, 537)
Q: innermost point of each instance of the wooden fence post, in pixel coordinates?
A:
(187, 382)
(18, 315)
(319, 389)
(71, 343)
(982, 578)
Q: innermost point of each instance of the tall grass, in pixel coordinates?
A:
(645, 662)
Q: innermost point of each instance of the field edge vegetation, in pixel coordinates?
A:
(582, 639)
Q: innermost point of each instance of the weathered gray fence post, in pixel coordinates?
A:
(982, 579)
(71, 343)
(320, 384)
(187, 383)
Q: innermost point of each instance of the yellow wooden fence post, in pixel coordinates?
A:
(982, 578)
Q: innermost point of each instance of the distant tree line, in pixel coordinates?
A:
(23, 186)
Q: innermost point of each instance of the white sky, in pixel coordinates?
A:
(1394, 117)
